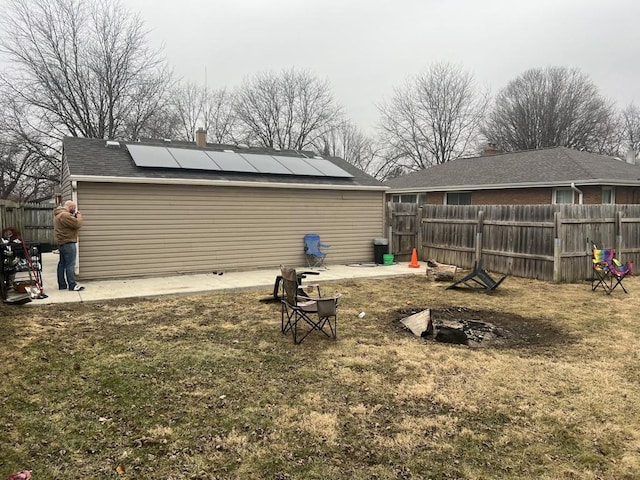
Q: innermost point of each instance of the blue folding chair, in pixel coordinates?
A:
(312, 250)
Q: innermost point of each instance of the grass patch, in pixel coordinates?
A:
(206, 387)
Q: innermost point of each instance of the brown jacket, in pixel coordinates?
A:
(65, 226)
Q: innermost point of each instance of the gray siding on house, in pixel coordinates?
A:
(150, 229)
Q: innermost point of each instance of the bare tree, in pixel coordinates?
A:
(188, 105)
(220, 118)
(76, 67)
(288, 110)
(630, 130)
(162, 122)
(555, 106)
(84, 64)
(350, 143)
(192, 107)
(431, 119)
(29, 168)
(149, 112)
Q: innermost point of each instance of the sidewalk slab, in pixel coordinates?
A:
(96, 290)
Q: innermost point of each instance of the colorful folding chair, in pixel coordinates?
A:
(618, 272)
(602, 258)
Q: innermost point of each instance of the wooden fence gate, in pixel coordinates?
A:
(403, 226)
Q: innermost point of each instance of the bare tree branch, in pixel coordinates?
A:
(550, 107)
(348, 142)
(79, 68)
(431, 119)
(288, 110)
(29, 167)
(630, 130)
(220, 118)
(83, 63)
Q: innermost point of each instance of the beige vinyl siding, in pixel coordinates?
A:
(150, 230)
(66, 190)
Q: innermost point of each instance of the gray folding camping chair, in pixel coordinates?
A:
(301, 315)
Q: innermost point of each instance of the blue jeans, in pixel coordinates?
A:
(66, 266)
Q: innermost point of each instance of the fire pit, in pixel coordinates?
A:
(476, 328)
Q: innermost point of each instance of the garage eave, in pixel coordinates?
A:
(222, 183)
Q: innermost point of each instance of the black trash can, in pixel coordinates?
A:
(380, 248)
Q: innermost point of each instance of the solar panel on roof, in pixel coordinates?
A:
(266, 163)
(147, 156)
(328, 168)
(298, 166)
(194, 159)
(231, 162)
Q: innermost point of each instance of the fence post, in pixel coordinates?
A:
(557, 248)
(418, 220)
(618, 233)
(479, 228)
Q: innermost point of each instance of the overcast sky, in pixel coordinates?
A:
(365, 48)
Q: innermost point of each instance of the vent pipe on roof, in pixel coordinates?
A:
(201, 137)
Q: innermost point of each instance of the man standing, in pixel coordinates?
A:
(67, 221)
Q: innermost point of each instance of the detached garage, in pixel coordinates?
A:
(163, 208)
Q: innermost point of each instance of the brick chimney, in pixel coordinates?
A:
(201, 137)
(491, 149)
(630, 156)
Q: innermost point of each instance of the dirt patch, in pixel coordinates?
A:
(485, 328)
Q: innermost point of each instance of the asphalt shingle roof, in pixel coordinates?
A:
(546, 166)
(91, 157)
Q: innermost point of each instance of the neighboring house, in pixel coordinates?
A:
(159, 208)
(546, 176)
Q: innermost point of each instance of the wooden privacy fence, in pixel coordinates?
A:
(547, 242)
(33, 220)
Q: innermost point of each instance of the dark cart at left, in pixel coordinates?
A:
(20, 269)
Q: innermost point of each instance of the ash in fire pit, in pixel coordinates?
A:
(465, 332)
(463, 326)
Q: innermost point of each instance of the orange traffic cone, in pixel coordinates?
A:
(414, 260)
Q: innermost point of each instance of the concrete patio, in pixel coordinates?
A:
(199, 283)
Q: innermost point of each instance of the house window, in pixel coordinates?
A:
(410, 198)
(458, 198)
(422, 198)
(563, 195)
(608, 195)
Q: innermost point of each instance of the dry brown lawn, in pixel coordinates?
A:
(206, 387)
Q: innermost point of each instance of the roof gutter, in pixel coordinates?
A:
(498, 186)
(222, 183)
(580, 194)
